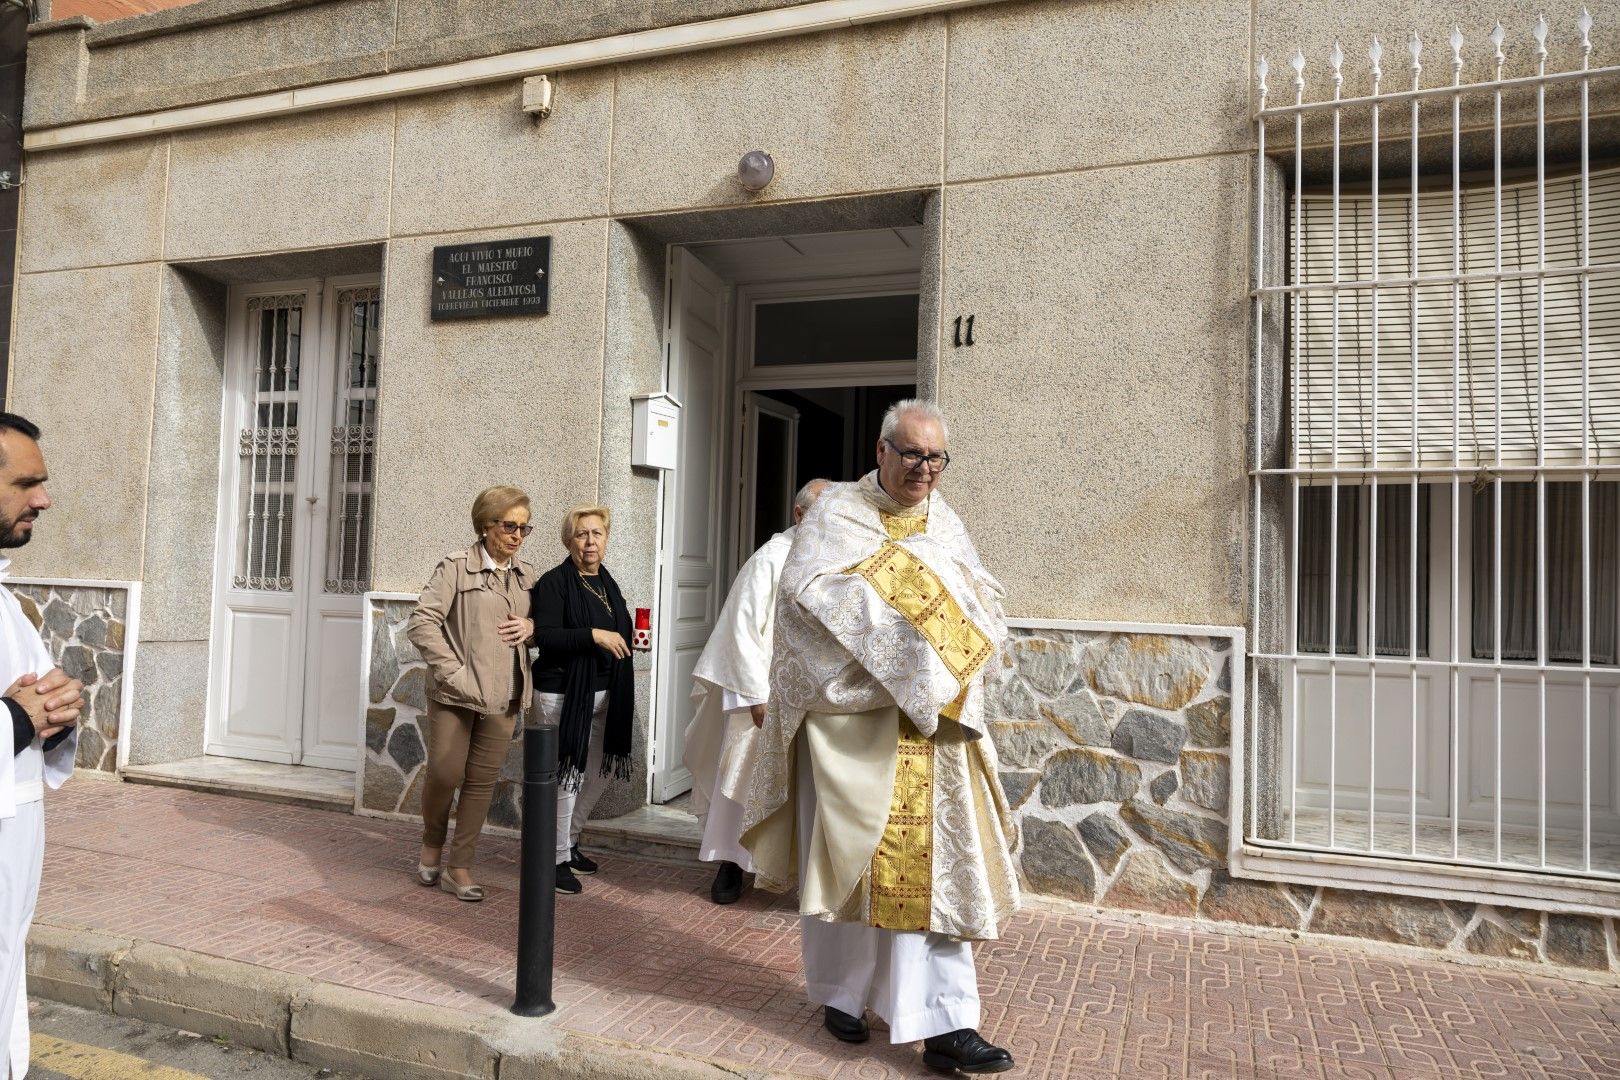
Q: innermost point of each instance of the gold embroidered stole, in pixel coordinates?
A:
(903, 865)
(907, 585)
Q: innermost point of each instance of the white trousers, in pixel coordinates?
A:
(574, 807)
(920, 984)
(22, 852)
(722, 825)
(722, 833)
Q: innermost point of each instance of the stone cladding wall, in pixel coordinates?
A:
(1115, 752)
(396, 726)
(85, 630)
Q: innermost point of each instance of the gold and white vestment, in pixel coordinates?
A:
(886, 621)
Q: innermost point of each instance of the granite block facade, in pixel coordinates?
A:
(86, 631)
(1115, 752)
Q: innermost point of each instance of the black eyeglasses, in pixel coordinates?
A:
(510, 527)
(916, 459)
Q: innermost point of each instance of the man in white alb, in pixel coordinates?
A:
(729, 687)
(875, 787)
(44, 705)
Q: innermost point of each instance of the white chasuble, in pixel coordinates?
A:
(732, 673)
(885, 623)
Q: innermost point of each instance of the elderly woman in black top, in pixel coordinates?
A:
(583, 679)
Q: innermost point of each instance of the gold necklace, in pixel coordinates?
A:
(599, 594)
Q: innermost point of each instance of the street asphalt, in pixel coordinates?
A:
(77, 1044)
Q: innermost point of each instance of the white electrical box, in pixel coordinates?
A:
(656, 424)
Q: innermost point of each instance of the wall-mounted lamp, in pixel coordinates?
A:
(537, 96)
(756, 170)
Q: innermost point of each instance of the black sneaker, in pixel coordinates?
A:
(566, 881)
(581, 862)
(728, 884)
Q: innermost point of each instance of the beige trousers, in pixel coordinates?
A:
(465, 750)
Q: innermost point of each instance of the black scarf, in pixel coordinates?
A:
(579, 698)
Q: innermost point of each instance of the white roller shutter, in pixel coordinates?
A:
(1532, 410)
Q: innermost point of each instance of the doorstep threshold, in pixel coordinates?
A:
(656, 833)
(297, 785)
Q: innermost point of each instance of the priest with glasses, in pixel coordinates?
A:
(875, 787)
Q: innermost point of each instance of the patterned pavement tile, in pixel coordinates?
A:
(643, 956)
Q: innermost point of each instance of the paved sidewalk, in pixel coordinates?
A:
(644, 957)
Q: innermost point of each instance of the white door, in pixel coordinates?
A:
(691, 525)
(770, 454)
(295, 523)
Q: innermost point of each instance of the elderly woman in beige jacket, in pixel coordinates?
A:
(473, 629)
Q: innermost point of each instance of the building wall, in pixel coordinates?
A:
(1126, 503)
(1087, 177)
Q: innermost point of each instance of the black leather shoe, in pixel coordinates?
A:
(581, 862)
(728, 884)
(851, 1029)
(964, 1051)
(566, 881)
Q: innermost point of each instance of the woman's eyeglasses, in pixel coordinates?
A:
(512, 528)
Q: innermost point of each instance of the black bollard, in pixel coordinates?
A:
(537, 876)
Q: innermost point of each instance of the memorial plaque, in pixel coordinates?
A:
(498, 277)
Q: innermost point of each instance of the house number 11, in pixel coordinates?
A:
(961, 326)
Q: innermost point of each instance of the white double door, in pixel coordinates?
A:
(294, 551)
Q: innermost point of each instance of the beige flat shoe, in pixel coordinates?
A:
(470, 893)
(427, 875)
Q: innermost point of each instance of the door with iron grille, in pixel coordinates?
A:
(295, 522)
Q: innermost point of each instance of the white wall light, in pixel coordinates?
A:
(756, 170)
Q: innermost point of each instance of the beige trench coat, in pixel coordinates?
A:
(454, 628)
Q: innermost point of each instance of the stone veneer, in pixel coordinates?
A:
(86, 630)
(1115, 752)
(396, 726)
(1116, 755)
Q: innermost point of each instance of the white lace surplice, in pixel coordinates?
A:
(720, 744)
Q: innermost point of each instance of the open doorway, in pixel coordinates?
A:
(793, 435)
(784, 351)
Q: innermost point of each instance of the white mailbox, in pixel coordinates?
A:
(656, 429)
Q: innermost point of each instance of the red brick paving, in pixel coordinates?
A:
(643, 956)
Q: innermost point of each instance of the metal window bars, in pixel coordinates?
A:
(354, 441)
(1436, 301)
(268, 446)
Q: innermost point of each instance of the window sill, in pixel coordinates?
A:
(1497, 886)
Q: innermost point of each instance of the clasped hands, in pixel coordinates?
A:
(52, 701)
